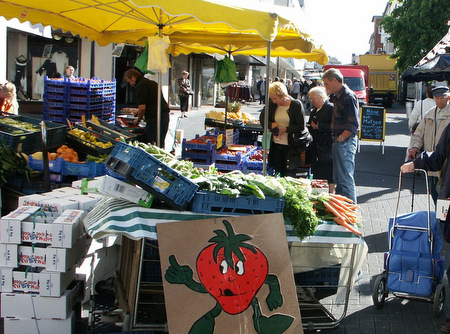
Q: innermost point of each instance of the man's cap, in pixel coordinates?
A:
(439, 91)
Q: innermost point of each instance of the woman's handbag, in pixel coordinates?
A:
(300, 141)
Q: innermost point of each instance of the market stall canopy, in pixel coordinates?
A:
(121, 21)
(434, 66)
(289, 43)
(436, 69)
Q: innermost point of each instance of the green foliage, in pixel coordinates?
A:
(415, 27)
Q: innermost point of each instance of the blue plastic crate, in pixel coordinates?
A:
(85, 99)
(111, 131)
(228, 167)
(85, 169)
(13, 140)
(54, 96)
(208, 202)
(125, 152)
(154, 176)
(209, 144)
(87, 106)
(206, 157)
(55, 166)
(54, 104)
(88, 147)
(216, 133)
(56, 133)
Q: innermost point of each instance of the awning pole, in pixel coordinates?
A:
(266, 113)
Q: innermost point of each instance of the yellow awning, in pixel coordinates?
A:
(192, 25)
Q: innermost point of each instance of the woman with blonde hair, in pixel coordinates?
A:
(8, 99)
(286, 116)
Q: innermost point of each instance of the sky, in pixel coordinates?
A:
(342, 27)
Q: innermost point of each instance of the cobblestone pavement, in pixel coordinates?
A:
(377, 179)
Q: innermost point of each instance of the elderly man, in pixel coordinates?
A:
(430, 130)
(344, 125)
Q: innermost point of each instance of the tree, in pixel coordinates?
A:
(415, 27)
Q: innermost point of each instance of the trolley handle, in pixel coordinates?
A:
(428, 199)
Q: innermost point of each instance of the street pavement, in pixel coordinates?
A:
(377, 182)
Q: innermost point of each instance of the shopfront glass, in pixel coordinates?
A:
(208, 84)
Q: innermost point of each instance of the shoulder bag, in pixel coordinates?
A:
(300, 141)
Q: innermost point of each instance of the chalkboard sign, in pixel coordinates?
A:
(372, 123)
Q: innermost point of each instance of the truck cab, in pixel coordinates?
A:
(356, 78)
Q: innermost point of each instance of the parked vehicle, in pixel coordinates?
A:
(383, 79)
(357, 78)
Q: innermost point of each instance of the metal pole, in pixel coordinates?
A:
(266, 112)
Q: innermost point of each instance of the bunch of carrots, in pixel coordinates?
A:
(338, 208)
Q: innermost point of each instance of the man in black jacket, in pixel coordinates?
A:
(146, 97)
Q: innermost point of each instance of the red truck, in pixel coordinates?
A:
(356, 77)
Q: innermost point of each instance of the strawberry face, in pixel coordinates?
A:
(231, 270)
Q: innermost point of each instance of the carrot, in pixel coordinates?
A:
(339, 221)
(341, 211)
(342, 198)
(330, 208)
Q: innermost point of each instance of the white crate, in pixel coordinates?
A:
(113, 187)
(33, 326)
(28, 305)
(46, 283)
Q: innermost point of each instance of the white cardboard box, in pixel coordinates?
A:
(30, 200)
(113, 187)
(85, 202)
(52, 258)
(8, 255)
(46, 283)
(64, 231)
(56, 206)
(30, 305)
(442, 208)
(11, 224)
(31, 326)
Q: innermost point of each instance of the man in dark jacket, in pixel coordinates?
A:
(437, 161)
(345, 126)
(146, 97)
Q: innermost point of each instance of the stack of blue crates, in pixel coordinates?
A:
(73, 99)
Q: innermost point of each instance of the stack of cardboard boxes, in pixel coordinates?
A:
(42, 243)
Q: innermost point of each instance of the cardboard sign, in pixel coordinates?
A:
(228, 275)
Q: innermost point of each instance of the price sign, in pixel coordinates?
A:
(372, 123)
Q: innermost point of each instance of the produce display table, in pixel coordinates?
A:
(325, 265)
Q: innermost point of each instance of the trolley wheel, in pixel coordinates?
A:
(379, 291)
(439, 299)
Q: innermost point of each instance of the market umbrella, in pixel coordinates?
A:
(287, 44)
(120, 21)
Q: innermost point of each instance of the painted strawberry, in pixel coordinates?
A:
(231, 270)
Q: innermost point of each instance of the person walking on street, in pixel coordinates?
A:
(344, 125)
(262, 91)
(320, 128)
(146, 97)
(420, 109)
(295, 89)
(286, 115)
(184, 91)
(429, 131)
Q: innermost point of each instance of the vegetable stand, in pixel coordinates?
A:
(330, 247)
